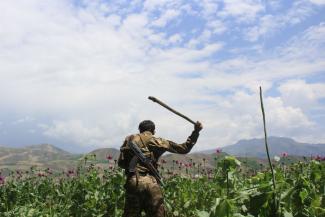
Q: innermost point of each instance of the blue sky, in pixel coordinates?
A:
(77, 74)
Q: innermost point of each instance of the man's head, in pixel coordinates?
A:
(147, 125)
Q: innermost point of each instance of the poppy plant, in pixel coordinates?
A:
(70, 173)
(40, 174)
(318, 158)
(2, 180)
(284, 154)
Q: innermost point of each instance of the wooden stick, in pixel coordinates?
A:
(267, 152)
(154, 99)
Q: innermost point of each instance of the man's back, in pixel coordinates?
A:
(142, 189)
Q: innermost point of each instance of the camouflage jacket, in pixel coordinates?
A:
(152, 147)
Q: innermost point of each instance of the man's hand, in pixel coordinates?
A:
(198, 126)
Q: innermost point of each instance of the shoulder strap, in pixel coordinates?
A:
(145, 145)
(144, 141)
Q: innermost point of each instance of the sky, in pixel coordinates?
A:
(77, 73)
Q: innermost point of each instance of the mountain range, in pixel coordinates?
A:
(46, 155)
(277, 146)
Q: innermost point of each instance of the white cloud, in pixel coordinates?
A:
(268, 24)
(239, 116)
(151, 5)
(187, 54)
(23, 120)
(176, 38)
(217, 27)
(114, 20)
(286, 117)
(316, 33)
(318, 2)
(301, 56)
(274, 4)
(306, 46)
(165, 18)
(75, 131)
(300, 94)
(210, 8)
(202, 39)
(242, 10)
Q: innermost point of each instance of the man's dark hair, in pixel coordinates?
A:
(147, 125)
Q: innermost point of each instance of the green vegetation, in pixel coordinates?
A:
(229, 189)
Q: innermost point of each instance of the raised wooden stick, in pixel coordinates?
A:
(154, 99)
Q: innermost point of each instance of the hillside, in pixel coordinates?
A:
(277, 145)
(40, 155)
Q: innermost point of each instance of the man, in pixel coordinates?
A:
(142, 189)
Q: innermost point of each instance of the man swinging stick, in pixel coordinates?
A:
(139, 155)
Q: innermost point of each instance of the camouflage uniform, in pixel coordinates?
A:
(142, 190)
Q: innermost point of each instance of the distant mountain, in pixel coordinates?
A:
(102, 153)
(39, 155)
(47, 148)
(277, 145)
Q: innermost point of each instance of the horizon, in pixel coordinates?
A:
(117, 148)
(77, 73)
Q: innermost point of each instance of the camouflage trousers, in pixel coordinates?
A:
(143, 195)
